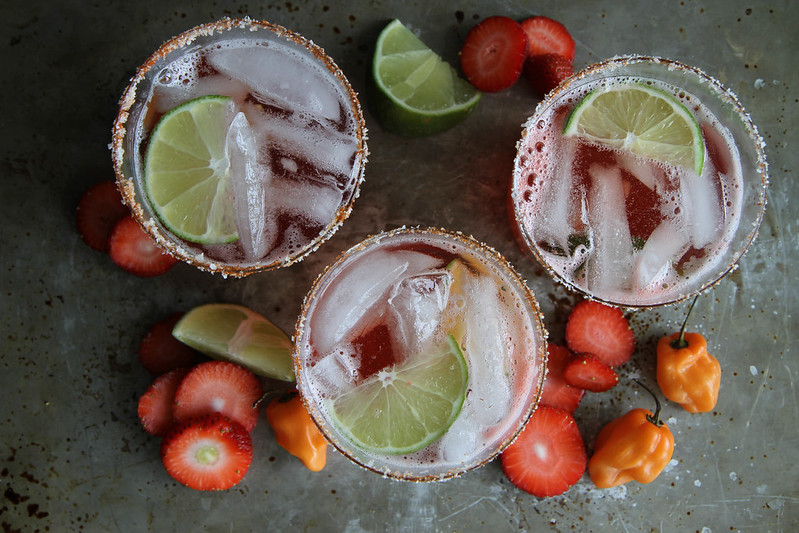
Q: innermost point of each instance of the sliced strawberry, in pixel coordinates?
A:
(218, 386)
(587, 371)
(160, 352)
(134, 251)
(155, 405)
(210, 452)
(99, 209)
(546, 71)
(601, 330)
(548, 36)
(493, 54)
(558, 393)
(549, 455)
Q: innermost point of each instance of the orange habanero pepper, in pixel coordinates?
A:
(296, 431)
(636, 446)
(686, 373)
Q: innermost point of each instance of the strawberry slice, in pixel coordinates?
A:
(601, 330)
(210, 452)
(134, 251)
(548, 36)
(493, 54)
(549, 455)
(155, 405)
(99, 209)
(587, 371)
(218, 386)
(546, 71)
(558, 393)
(160, 352)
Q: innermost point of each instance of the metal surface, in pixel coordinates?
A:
(72, 454)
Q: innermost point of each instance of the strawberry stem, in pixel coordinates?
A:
(679, 343)
(655, 418)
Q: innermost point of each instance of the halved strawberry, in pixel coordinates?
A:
(160, 352)
(134, 251)
(549, 455)
(493, 54)
(601, 330)
(587, 371)
(218, 386)
(558, 393)
(155, 405)
(210, 452)
(548, 36)
(546, 71)
(99, 209)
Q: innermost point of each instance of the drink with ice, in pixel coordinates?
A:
(392, 301)
(617, 224)
(292, 146)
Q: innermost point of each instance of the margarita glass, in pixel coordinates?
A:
(624, 228)
(380, 307)
(290, 136)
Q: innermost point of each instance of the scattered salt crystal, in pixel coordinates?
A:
(753, 370)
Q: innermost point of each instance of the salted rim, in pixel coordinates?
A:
(715, 87)
(149, 222)
(480, 249)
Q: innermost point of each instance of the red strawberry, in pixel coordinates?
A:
(134, 251)
(549, 455)
(218, 386)
(155, 405)
(546, 71)
(547, 36)
(558, 393)
(588, 372)
(601, 330)
(99, 209)
(493, 54)
(210, 452)
(160, 352)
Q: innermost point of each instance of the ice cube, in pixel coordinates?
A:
(553, 224)
(417, 303)
(460, 441)
(701, 205)
(336, 372)
(664, 246)
(644, 171)
(314, 201)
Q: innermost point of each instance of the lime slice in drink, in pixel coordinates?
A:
(186, 171)
(238, 334)
(404, 408)
(414, 92)
(640, 119)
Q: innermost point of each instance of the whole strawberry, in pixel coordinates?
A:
(546, 71)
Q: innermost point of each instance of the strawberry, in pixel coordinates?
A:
(218, 386)
(493, 54)
(548, 36)
(209, 452)
(549, 455)
(546, 71)
(155, 405)
(601, 330)
(160, 352)
(134, 251)
(99, 208)
(558, 393)
(587, 371)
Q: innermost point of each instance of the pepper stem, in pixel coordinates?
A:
(679, 343)
(655, 418)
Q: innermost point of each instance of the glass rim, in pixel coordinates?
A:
(480, 249)
(718, 89)
(126, 183)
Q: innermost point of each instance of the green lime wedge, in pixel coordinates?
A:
(187, 171)
(238, 334)
(406, 407)
(640, 119)
(414, 92)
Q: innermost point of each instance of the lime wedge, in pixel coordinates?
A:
(238, 334)
(406, 407)
(415, 92)
(186, 171)
(640, 119)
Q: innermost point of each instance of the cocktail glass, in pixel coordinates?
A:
(673, 234)
(387, 298)
(310, 140)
